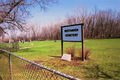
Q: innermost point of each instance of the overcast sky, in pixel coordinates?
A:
(64, 7)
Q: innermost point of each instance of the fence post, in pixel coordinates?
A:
(10, 66)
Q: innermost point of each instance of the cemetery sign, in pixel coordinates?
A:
(73, 33)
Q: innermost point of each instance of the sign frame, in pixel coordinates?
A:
(82, 36)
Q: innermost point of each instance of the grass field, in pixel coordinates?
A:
(104, 61)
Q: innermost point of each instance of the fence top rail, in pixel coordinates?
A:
(41, 66)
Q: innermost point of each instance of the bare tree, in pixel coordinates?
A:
(2, 35)
(14, 12)
(98, 24)
(81, 13)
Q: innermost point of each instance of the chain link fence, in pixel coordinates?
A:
(9, 46)
(4, 66)
(13, 67)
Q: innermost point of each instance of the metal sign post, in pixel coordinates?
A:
(72, 33)
(10, 66)
(61, 42)
(83, 55)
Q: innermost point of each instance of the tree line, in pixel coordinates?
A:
(98, 24)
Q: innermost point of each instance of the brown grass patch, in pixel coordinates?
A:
(57, 62)
(87, 53)
(71, 50)
(33, 67)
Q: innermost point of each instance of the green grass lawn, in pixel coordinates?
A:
(104, 61)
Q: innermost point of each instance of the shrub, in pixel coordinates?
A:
(87, 53)
(71, 50)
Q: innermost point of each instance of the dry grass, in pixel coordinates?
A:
(87, 53)
(71, 50)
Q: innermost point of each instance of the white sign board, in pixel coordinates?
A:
(72, 33)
